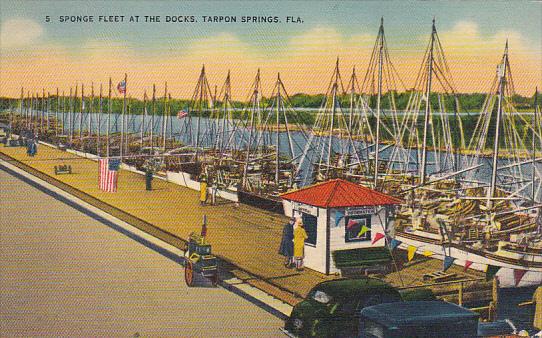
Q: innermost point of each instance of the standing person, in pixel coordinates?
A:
(537, 299)
(203, 189)
(148, 179)
(300, 235)
(287, 243)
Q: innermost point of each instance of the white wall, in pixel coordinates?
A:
(315, 256)
(337, 234)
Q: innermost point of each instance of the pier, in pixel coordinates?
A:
(245, 238)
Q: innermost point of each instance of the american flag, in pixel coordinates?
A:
(109, 170)
(121, 87)
(182, 113)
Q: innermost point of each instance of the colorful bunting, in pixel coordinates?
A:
(411, 251)
(491, 271)
(394, 243)
(427, 253)
(338, 216)
(378, 237)
(363, 230)
(448, 261)
(467, 265)
(518, 275)
(351, 224)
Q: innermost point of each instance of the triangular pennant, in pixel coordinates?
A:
(467, 265)
(427, 253)
(448, 261)
(410, 252)
(491, 271)
(394, 244)
(338, 216)
(378, 237)
(363, 230)
(518, 275)
(351, 224)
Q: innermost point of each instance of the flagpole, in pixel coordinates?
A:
(122, 117)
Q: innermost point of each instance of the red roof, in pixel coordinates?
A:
(339, 193)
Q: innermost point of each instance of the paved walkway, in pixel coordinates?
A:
(65, 273)
(245, 236)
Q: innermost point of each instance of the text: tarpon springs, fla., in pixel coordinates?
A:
(107, 19)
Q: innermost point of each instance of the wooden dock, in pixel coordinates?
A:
(246, 238)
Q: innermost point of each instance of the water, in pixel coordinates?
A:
(185, 131)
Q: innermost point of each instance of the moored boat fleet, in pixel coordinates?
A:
(472, 193)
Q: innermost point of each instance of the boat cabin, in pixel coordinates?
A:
(345, 224)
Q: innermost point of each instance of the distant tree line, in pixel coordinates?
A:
(471, 102)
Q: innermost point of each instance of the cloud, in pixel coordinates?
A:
(473, 57)
(305, 61)
(19, 32)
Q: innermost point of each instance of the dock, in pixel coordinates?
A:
(245, 238)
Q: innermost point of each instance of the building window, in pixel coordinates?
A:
(357, 228)
(311, 227)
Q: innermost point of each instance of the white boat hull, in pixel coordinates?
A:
(532, 277)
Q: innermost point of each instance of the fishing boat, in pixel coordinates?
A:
(455, 215)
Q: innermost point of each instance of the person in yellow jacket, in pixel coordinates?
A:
(537, 299)
(300, 235)
(203, 189)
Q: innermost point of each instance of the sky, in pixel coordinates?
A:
(36, 54)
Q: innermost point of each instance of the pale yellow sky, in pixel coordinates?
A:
(305, 64)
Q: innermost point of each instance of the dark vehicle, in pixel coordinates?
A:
(419, 319)
(332, 308)
(199, 261)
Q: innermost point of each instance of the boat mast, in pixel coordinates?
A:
(63, 112)
(152, 116)
(99, 129)
(122, 117)
(56, 111)
(42, 110)
(164, 119)
(72, 111)
(198, 123)
(255, 105)
(333, 111)
(352, 93)
(81, 111)
(91, 110)
(277, 148)
(423, 168)
(378, 99)
(108, 119)
(501, 73)
(535, 124)
(143, 118)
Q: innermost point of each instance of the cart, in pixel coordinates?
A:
(199, 261)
